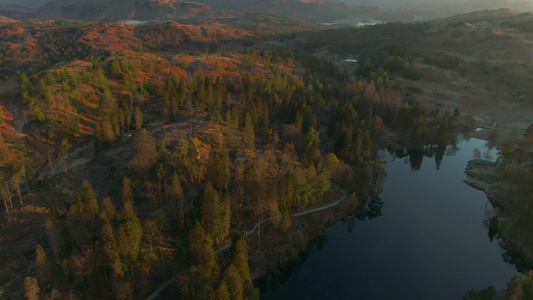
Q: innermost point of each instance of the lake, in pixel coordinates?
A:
(430, 241)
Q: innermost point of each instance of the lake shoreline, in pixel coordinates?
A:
(275, 250)
(483, 176)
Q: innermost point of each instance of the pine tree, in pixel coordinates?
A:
(108, 245)
(210, 211)
(275, 214)
(192, 160)
(129, 234)
(218, 169)
(222, 291)
(138, 118)
(105, 130)
(146, 155)
(42, 264)
(64, 152)
(201, 247)
(90, 201)
(240, 257)
(31, 288)
(250, 182)
(248, 132)
(313, 154)
(127, 193)
(108, 209)
(175, 195)
(234, 282)
(225, 215)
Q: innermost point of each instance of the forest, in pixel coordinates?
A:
(138, 157)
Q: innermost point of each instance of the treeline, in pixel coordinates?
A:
(391, 59)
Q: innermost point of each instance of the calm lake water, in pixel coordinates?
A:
(430, 241)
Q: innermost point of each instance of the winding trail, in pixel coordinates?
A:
(251, 232)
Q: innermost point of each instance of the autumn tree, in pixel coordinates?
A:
(31, 288)
(107, 209)
(90, 200)
(146, 154)
(127, 193)
(240, 257)
(42, 264)
(222, 291)
(234, 281)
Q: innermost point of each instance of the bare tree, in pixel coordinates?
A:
(16, 181)
(4, 197)
(50, 157)
(65, 146)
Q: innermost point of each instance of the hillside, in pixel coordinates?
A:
(4, 20)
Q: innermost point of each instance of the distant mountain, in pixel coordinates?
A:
(34, 4)
(310, 10)
(479, 5)
(120, 9)
(414, 4)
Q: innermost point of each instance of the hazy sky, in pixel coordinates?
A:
(421, 4)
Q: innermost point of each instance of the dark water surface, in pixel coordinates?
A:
(429, 243)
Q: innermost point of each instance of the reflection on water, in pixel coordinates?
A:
(426, 236)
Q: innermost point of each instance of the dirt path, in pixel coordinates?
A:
(251, 232)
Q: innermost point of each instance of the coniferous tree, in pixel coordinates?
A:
(146, 155)
(250, 182)
(210, 212)
(225, 215)
(109, 247)
(64, 151)
(42, 264)
(248, 132)
(240, 257)
(138, 118)
(222, 291)
(234, 281)
(201, 247)
(175, 195)
(31, 288)
(127, 193)
(218, 169)
(192, 160)
(54, 231)
(129, 234)
(90, 200)
(108, 209)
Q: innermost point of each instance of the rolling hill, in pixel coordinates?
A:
(117, 10)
